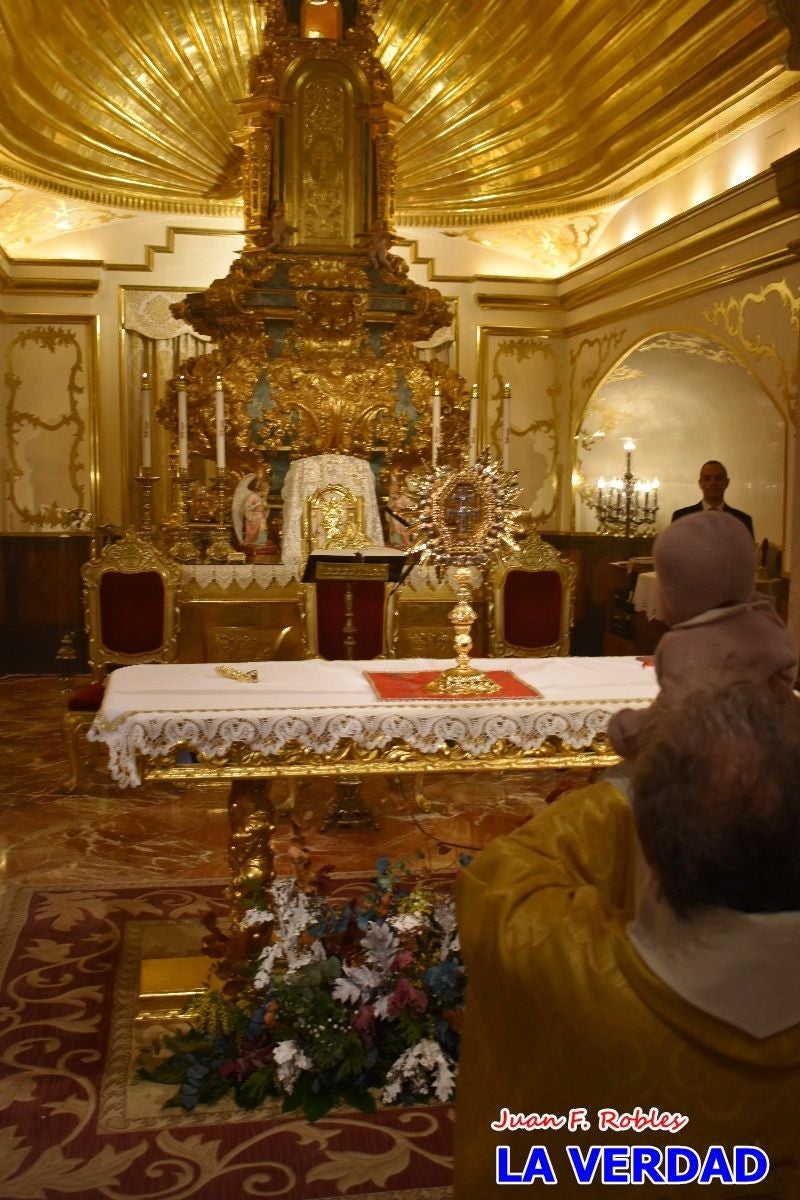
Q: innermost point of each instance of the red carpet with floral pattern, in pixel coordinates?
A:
(72, 1122)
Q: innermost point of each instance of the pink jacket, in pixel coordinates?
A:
(721, 628)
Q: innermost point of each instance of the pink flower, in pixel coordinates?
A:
(364, 1023)
(406, 996)
(403, 959)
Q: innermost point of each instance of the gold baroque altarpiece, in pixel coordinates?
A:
(314, 326)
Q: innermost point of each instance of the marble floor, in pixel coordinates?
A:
(100, 834)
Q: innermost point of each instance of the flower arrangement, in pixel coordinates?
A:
(350, 1002)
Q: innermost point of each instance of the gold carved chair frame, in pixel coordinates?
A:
(535, 556)
(132, 555)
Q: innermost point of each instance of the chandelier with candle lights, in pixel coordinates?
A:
(625, 505)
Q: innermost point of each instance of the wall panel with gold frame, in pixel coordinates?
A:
(531, 363)
(49, 473)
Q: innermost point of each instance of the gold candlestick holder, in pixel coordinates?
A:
(145, 481)
(219, 548)
(184, 548)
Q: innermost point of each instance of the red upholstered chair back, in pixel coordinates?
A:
(130, 600)
(130, 604)
(132, 612)
(531, 602)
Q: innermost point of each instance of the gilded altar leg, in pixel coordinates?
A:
(251, 817)
(235, 949)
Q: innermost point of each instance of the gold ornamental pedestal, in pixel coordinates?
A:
(463, 679)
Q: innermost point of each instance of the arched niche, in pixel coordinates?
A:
(685, 398)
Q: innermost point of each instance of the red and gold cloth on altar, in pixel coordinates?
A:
(411, 685)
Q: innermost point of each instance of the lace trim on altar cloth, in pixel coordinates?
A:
(422, 728)
(229, 576)
(226, 575)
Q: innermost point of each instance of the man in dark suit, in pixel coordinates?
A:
(713, 482)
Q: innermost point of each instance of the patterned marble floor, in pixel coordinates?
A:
(100, 834)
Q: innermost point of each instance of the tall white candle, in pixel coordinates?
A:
(183, 427)
(436, 424)
(147, 444)
(473, 426)
(220, 424)
(506, 426)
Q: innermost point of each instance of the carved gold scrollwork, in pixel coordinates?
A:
(347, 759)
(746, 319)
(52, 513)
(252, 824)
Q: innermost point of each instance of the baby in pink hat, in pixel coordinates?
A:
(719, 625)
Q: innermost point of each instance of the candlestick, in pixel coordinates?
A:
(146, 481)
(144, 400)
(506, 426)
(473, 426)
(183, 427)
(183, 548)
(219, 548)
(220, 424)
(436, 422)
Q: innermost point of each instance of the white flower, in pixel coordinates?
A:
(381, 1006)
(426, 1068)
(345, 991)
(356, 984)
(407, 922)
(381, 944)
(290, 1061)
(266, 964)
(444, 914)
(294, 913)
(256, 916)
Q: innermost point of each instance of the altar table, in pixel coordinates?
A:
(322, 717)
(186, 722)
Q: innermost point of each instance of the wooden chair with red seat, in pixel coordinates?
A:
(531, 602)
(130, 606)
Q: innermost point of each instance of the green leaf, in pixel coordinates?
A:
(363, 1101)
(212, 1088)
(171, 1070)
(331, 968)
(255, 1088)
(291, 1102)
(317, 1104)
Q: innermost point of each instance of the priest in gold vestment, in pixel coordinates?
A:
(642, 957)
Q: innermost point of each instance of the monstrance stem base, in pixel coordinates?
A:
(462, 681)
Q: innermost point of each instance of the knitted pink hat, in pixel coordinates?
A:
(703, 561)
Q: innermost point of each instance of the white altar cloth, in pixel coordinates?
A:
(150, 710)
(646, 596)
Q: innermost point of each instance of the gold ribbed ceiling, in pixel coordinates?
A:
(515, 108)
